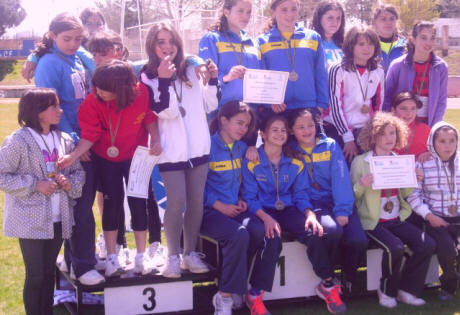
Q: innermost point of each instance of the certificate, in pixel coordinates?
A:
(393, 171)
(264, 86)
(140, 172)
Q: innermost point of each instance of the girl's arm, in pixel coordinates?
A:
(359, 180)
(87, 59)
(75, 175)
(391, 84)
(442, 99)
(211, 91)
(155, 143)
(415, 199)
(300, 190)
(321, 78)
(377, 99)
(82, 147)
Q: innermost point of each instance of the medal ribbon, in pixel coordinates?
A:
(238, 169)
(179, 96)
(406, 150)
(275, 180)
(291, 60)
(450, 184)
(419, 87)
(113, 135)
(363, 93)
(386, 63)
(239, 57)
(50, 153)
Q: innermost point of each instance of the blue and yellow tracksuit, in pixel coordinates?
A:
(397, 50)
(310, 90)
(216, 46)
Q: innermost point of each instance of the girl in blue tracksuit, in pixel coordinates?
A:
(288, 46)
(276, 190)
(330, 191)
(226, 219)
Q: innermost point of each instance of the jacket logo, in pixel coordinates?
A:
(139, 119)
(285, 178)
(319, 157)
(261, 178)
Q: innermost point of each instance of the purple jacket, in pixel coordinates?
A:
(401, 75)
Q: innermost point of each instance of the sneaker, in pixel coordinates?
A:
(156, 254)
(112, 266)
(172, 267)
(123, 255)
(62, 266)
(222, 305)
(385, 300)
(100, 264)
(255, 304)
(100, 246)
(332, 297)
(142, 264)
(193, 263)
(237, 301)
(91, 277)
(408, 298)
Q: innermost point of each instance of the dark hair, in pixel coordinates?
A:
(151, 68)
(406, 96)
(103, 41)
(385, 8)
(86, 13)
(416, 31)
(321, 9)
(222, 24)
(293, 115)
(272, 22)
(32, 103)
(230, 109)
(61, 23)
(117, 77)
(351, 38)
(265, 124)
(435, 135)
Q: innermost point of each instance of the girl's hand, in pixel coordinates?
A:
(419, 174)
(46, 187)
(85, 157)
(278, 108)
(272, 227)
(212, 68)
(166, 68)
(436, 221)
(242, 205)
(63, 182)
(312, 222)
(155, 147)
(423, 157)
(252, 154)
(65, 161)
(367, 180)
(202, 73)
(230, 210)
(342, 220)
(236, 72)
(28, 70)
(350, 150)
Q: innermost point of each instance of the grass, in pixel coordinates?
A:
(15, 77)
(12, 268)
(453, 60)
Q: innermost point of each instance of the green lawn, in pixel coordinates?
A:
(15, 77)
(12, 269)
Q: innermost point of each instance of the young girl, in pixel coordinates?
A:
(436, 201)
(392, 44)
(226, 219)
(180, 101)
(38, 195)
(276, 191)
(115, 118)
(404, 106)
(422, 72)
(61, 69)
(331, 190)
(355, 89)
(288, 46)
(383, 214)
(329, 22)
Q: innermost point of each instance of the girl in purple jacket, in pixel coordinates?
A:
(421, 72)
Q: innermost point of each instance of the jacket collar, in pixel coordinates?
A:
(264, 158)
(275, 32)
(409, 60)
(322, 139)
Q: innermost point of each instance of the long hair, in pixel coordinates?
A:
(150, 46)
(323, 8)
(351, 38)
(266, 123)
(385, 8)
(117, 77)
(61, 23)
(32, 103)
(88, 12)
(230, 109)
(272, 21)
(416, 29)
(222, 24)
(293, 115)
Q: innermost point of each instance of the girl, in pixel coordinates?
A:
(383, 214)
(392, 44)
(404, 106)
(38, 195)
(276, 191)
(115, 119)
(355, 89)
(226, 219)
(288, 46)
(61, 69)
(436, 201)
(331, 190)
(180, 101)
(421, 72)
(329, 22)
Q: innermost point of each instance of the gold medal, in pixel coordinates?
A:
(365, 109)
(453, 210)
(388, 207)
(182, 110)
(279, 205)
(293, 76)
(113, 151)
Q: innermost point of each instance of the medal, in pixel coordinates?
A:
(452, 210)
(182, 110)
(388, 207)
(316, 186)
(279, 205)
(365, 109)
(293, 76)
(113, 151)
(451, 183)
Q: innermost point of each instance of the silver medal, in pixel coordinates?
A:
(293, 76)
(279, 205)
(113, 151)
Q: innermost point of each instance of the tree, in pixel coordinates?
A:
(411, 11)
(449, 8)
(360, 10)
(11, 14)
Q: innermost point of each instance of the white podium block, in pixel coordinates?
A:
(294, 275)
(149, 298)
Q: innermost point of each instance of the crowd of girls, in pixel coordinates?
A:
(350, 95)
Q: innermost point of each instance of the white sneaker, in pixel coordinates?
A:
(100, 264)
(142, 264)
(100, 246)
(123, 255)
(385, 300)
(222, 305)
(91, 277)
(156, 254)
(112, 266)
(193, 263)
(408, 298)
(238, 302)
(62, 265)
(172, 267)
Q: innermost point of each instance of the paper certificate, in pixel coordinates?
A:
(264, 86)
(393, 171)
(140, 172)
